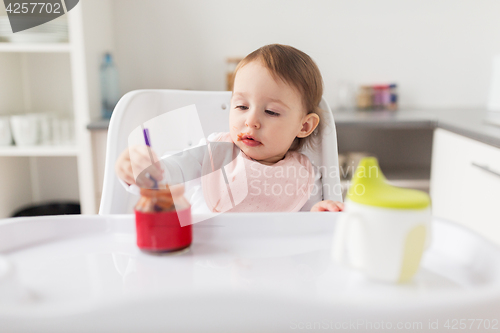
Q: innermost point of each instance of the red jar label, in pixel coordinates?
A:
(161, 232)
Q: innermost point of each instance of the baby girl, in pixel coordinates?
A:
(274, 114)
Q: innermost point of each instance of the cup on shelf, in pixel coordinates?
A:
(54, 31)
(25, 129)
(62, 131)
(44, 120)
(66, 131)
(55, 123)
(5, 132)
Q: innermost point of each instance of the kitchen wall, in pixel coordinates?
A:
(438, 51)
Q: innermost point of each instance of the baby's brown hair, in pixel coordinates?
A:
(299, 71)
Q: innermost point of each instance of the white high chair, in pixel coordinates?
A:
(139, 106)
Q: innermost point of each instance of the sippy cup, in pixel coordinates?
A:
(163, 219)
(384, 229)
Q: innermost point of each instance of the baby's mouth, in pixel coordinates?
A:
(248, 140)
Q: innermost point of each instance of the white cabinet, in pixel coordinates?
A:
(62, 79)
(465, 183)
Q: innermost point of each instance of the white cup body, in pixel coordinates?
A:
(45, 128)
(66, 131)
(382, 242)
(56, 131)
(25, 129)
(5, 132)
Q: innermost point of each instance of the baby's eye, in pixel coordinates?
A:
(241, 107)
(272, 113)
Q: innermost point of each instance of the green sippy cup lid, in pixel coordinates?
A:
(370, 187)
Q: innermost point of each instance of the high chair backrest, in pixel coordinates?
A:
(139, 106)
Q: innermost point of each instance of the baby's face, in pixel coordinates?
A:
(266, 114)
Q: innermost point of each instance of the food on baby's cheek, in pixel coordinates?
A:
(242, 136)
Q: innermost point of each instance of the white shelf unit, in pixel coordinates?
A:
(48, 173)
(40, 47)
(39, 151)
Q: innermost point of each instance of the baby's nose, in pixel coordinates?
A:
(252, 120)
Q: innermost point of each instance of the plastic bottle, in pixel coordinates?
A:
(110, 93)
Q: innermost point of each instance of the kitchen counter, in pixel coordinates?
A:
(467, 122)
(98, 124)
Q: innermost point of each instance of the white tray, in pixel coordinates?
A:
(243, 272)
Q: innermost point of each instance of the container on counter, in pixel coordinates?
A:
(377, 97)
(393, 103)
(386, 96)
(378, 102)
(163, 220)
(231, 63)
(364, 98)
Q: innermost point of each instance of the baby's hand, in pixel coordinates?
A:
(133, 161)
(328, 206)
